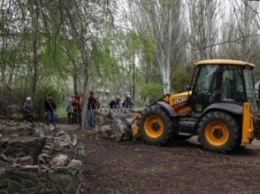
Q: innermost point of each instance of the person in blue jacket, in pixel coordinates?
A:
(128, 102)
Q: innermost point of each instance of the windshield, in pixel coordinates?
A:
(250, 90)
(249, 85)
(206, 79)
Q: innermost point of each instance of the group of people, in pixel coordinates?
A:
(74, 108)
(49, 108)
(75, 105)
(118, 103)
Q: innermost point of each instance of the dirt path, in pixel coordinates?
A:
(248, 152)
(131, 167)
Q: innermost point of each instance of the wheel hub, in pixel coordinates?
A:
(217, 133)
(155, 126)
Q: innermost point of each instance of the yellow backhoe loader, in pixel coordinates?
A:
(219, 107)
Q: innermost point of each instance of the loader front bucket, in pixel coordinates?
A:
(121, 126)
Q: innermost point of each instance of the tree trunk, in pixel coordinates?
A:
(35, 21)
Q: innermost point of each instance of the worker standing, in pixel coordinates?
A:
(77, 108)
(50, 108)
(92, 105)
(28, 110)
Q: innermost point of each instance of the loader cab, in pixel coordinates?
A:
(221, 81)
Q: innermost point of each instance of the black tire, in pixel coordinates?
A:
(219, 132)
(156, 126)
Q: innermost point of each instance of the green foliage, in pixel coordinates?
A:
(181, 79)
(148, 46)
(133, 43)
(104, 68)
(53, 58)
(151, 90)
(169, 2)
(61, 111)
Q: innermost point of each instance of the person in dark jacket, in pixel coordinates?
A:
(114, 104)
(28, 110)
(92, 105)
(128, 103)
(50, 108)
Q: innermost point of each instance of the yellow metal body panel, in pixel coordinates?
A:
(176, 99)
(134, 127)
(179, 101)
(135, 131)
(224, 62)
(248, 125)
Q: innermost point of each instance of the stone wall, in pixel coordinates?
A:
(36, 179)
(30, 167)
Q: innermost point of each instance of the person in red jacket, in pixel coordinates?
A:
(77, 108)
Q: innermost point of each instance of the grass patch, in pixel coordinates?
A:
(61, 111)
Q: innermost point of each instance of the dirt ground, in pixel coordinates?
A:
(131, 167)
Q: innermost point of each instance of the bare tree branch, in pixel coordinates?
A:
(223, 42)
